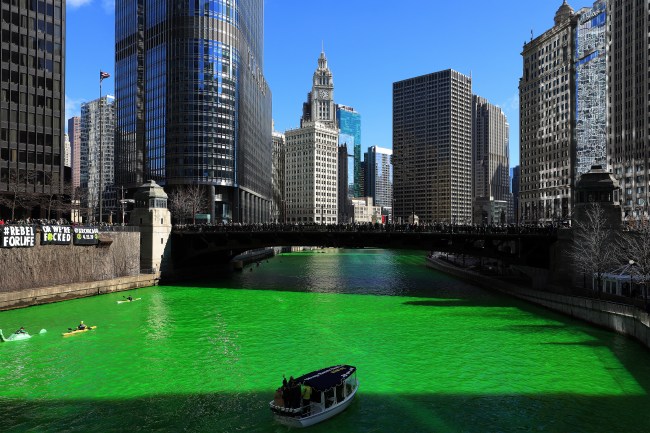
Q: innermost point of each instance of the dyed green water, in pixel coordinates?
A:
(433, 355)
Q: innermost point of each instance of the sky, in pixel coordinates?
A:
(369, 44)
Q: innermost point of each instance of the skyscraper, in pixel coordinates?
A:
(591, 88)
(379, 176)
(547, 118)
(515, 176)
(74, 131)
(628, 149)
(343, 184)
(491, 177)
(194, 105)
(432, 148)
(97, 123)
(278, 211)
(32, 89)
(349, 122)
(312, 155)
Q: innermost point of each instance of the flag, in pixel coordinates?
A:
(103, 75)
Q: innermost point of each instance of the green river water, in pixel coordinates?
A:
(433, 355)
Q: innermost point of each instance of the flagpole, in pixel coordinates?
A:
(101, 153)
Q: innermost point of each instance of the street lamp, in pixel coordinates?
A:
(123, 202)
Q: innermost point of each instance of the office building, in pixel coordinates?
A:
(96, 155)
(628, 89)
(278, 211)
(349, 122)
(491, 177)
(364, 211)
(432, 148)
(32, 89)
(194, 107)
(515, 176)
(343, 184)
(67, 160)
(312, 155)
(379, 176)
(547, 114)
(74, 132)
(591, 88)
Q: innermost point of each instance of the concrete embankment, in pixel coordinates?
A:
(624, 319)
(44, 295)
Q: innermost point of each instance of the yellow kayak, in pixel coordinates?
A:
(77, 331)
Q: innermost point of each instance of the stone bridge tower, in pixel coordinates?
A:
(154, 219)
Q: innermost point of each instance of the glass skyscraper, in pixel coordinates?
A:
(32, 78)
(194, 107)
(349, 122)
(591, 88)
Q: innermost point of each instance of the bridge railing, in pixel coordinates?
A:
(506, 229)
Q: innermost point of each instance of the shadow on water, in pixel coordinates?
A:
(248, 412)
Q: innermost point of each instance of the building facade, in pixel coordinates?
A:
(432, 148)
(74, 132)
(628, 150)
(343, 184)
(97, 155)
(490, 147)
(278, 211)
(349, 122)
(195, 107)
(591, 88)
(32, 89)
(312, 155)
(379, 176)
(547, 118)
(515, 176)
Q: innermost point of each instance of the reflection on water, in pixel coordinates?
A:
(433, 354)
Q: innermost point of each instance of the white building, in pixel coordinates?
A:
(97, 125)
(311, 158)
(365, 211)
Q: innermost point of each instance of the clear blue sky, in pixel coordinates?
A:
(369, 45)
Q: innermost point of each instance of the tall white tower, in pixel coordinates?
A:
(311, 158)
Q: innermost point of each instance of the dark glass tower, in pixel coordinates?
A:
(32, 80)
(194, 107)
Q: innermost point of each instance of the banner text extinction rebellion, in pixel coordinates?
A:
(13, 236)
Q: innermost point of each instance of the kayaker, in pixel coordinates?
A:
(129, 298)
(81, 326)
(21, 330)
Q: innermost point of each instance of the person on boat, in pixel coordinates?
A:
(306, 395)
(284, 381)
(278, 399)
(129, 298)
(21, 330)
(81, 326)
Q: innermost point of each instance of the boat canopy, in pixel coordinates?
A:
(327, 378)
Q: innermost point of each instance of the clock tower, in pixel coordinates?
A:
(320, 105)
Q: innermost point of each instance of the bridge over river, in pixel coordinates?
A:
(200, 245)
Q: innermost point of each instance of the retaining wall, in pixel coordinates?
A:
(624, 319)
(44, 295)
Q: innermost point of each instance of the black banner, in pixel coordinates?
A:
(85, 235)
(16, 236)
(56, 235)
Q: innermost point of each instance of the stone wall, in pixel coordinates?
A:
(53, 265)
(624, 319)
(43, 295)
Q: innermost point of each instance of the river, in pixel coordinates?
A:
(433, 355)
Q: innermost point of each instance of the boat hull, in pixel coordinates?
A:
(317, 417)
(14, 337)
(126, 300)
(78, 331)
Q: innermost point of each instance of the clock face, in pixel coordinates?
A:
(323, 94)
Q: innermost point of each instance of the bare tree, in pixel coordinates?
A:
(197, 201)
(594, 244)
(634, 248)
(18, 197)
(187, 201)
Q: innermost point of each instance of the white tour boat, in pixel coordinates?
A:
(332, 391)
